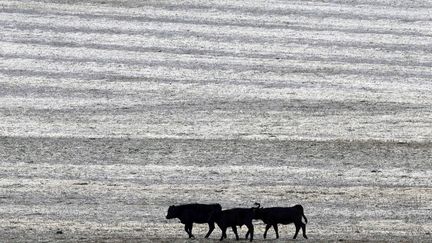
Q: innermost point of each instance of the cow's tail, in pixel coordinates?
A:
(305, 218)
(300, 209)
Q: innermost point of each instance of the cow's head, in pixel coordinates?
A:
(172, 212)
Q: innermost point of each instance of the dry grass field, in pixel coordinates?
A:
(112, 110)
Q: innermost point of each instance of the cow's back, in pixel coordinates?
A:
(282, 215)
(235, 216)
(199, 213)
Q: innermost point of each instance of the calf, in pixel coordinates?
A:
(233, 218)
(195, 213)
(281, 215)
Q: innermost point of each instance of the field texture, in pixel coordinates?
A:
(110, 111)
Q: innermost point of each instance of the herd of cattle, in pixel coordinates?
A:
(213, 213)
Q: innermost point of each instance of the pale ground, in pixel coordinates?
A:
(110, 111)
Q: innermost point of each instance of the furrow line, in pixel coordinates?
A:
(148, 40)
(348, 55)
(274, 10)
(229, 71)
(155, 23)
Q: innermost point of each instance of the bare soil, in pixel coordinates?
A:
(111, 111)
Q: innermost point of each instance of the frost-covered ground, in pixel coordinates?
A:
(110, 111)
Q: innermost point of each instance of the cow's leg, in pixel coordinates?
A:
(247, 235)
(275, 227)
(234, 228)
(297, 230)
(211, 228)
(186, 228)
(190, 230)
(250, 230)
(304, 230)
(223, 233)
(266, 229)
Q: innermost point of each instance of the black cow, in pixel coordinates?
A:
(235, 217)
(281, 215)
(195, 213)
